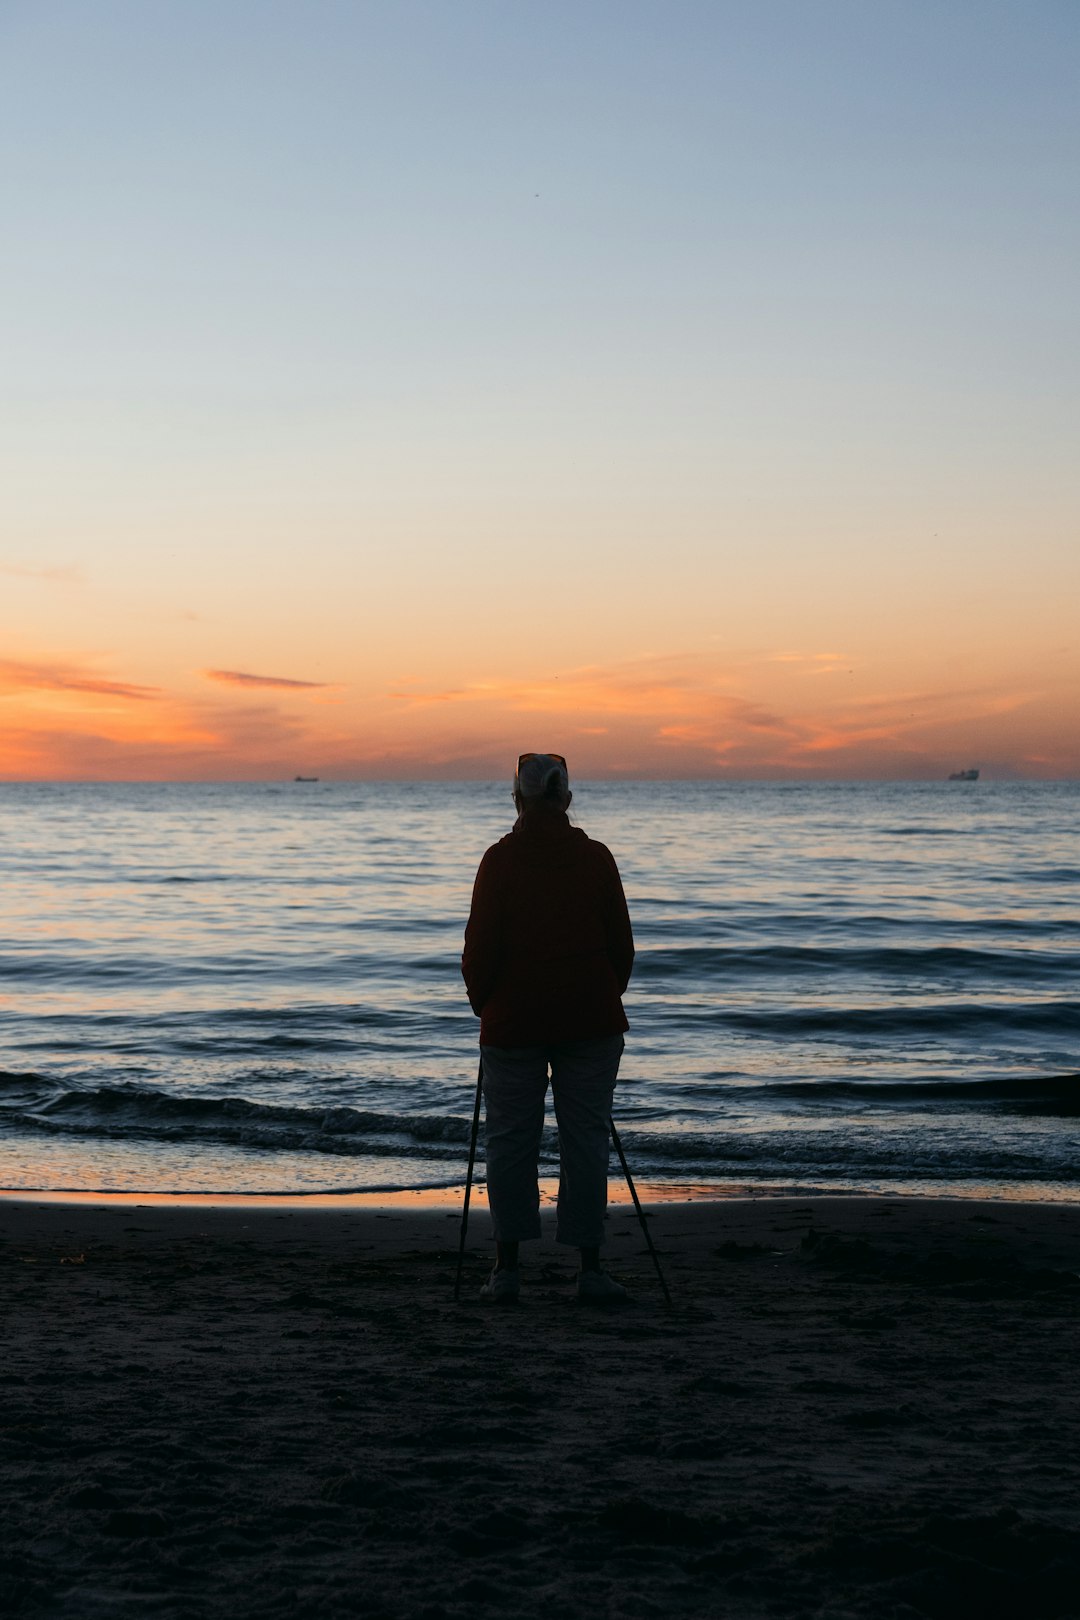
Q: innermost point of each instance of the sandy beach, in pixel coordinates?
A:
(858, 1406)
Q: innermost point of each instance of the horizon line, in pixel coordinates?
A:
(444, 781)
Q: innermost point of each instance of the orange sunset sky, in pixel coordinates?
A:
(387, 388)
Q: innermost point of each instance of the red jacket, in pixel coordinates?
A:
(548, 946)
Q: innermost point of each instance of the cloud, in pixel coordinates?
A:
(56, 576)
(281, 683)
(821, 663)
(696, 715)
(657, 714)
(17, 675)
(171, 740)
(454, 694)
(690, 715)
(635, 687)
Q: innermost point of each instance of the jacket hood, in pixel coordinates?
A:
(547, 840)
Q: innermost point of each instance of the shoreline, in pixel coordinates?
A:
(450, 1198)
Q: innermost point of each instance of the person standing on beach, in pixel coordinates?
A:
(548, 953)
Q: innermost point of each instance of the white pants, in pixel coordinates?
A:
(515, 1086)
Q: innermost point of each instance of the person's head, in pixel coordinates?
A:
(541, 783)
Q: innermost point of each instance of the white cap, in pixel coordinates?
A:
(538, 773)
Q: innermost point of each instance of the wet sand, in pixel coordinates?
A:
(859, 1407)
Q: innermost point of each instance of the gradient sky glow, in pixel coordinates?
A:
(688, 386)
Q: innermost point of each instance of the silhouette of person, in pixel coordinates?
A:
(548, 953)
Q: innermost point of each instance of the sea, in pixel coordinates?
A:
(255, 988)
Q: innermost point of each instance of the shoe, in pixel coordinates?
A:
(597, 1288)
(502, 1287)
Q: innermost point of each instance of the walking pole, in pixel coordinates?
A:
(640, 1212)
(468, 1178)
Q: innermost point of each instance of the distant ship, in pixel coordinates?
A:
(315, 778)
(963, 776)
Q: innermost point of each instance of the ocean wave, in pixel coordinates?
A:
(136, 967)
(136, 1113)
(256, 1033)
(857, 1156)
(712, 962)
(924, 832)
(142, 1112)
(416, 962)
(1054, 1094)
(831, 916)
(945, 1020)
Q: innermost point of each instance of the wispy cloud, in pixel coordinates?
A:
(638, 686)
(819, 663)
(281, 683)
(695, 714)
(420, 698)
(753, 715)
(18, 675)
(174, 739)
(56, 576)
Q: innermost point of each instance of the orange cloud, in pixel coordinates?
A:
(239, 677)
(632, 688)
(756, 715)
(170, 740)
(17, 675)
(679, 715)
(824, 661)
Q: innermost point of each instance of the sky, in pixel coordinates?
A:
(690, 387)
